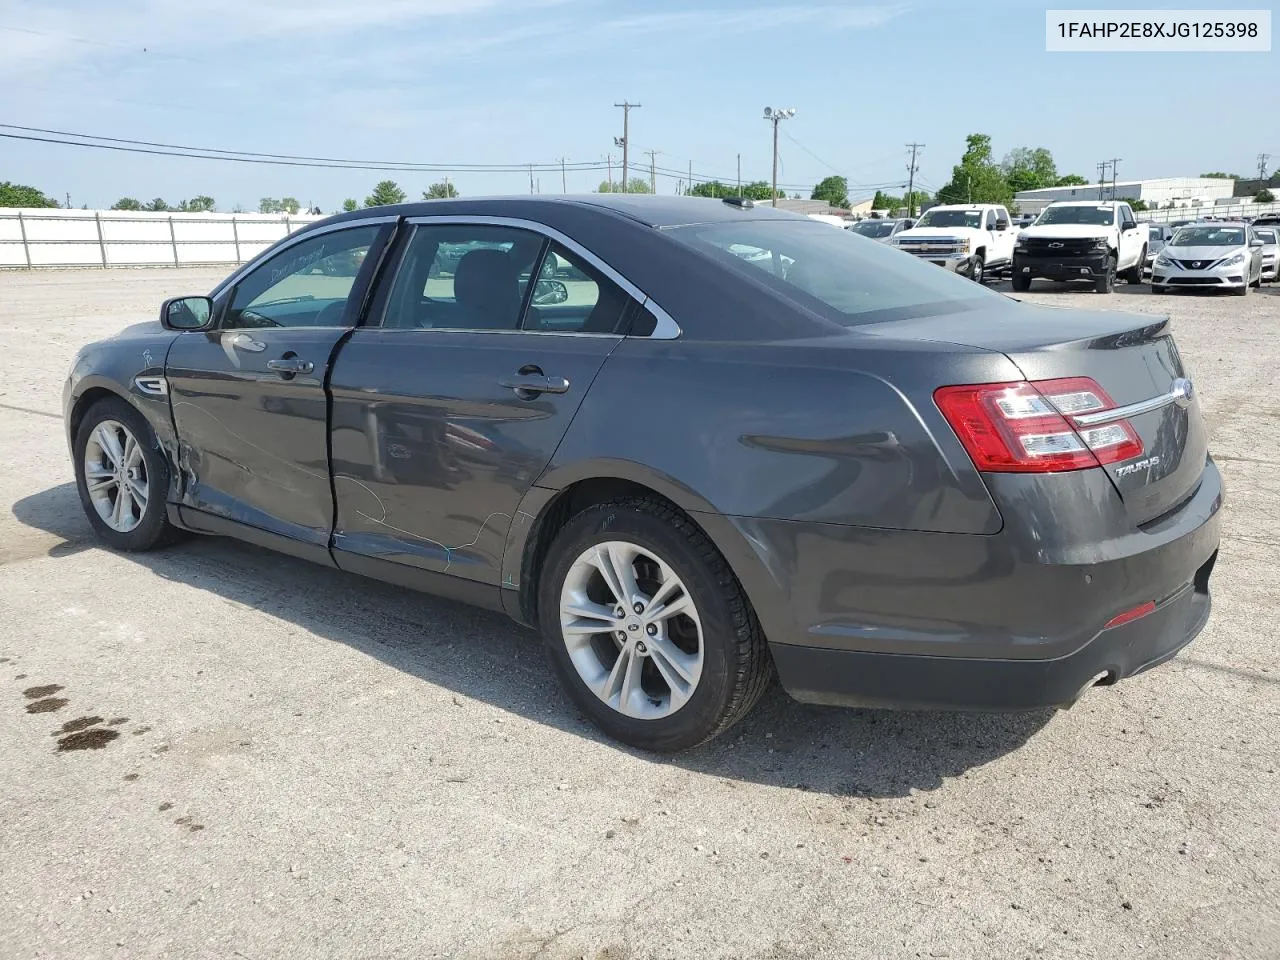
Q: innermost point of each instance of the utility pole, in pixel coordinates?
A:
(776, 116)
(1262, 165)
(626, 138)
(911, 178)
(653, 170)
(690, 180)
(68, 201)
(610, 157)
(1102, 177)
(563, 187)
(739, 174)
(531, 179)
(446, 186)
(1114, 164)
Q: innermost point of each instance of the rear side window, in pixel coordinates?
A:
(841, 277)
(572, 296)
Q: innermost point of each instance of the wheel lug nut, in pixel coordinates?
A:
(652, 629)
(638, 608)
(619, 612)
(641, 648)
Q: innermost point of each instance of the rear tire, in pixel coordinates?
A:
(1107, 282)
(1135, 273)
(117, 451)
(719, 643)
(1021, 283)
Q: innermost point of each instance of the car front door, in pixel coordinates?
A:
(248, 394)
(448, 410)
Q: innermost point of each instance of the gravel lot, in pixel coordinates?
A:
(313, 765)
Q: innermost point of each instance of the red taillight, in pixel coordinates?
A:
(1141, 610)
(1023, 427)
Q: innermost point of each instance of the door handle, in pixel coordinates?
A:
(290, 365)
(532, 384)
(242, 341)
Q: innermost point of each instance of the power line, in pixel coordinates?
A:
(389, 164)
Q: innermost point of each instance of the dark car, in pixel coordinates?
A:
(742, 442)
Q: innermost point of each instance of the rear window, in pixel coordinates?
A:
(842, 277)
(876, 229)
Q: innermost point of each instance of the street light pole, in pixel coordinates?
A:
(776, 116)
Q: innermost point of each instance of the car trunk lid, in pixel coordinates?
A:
(1133, 358)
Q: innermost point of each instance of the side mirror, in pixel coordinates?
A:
(1255, 242)
(547, 293)
(186, 313)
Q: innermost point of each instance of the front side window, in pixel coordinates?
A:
(842, 278)
(1095, 216)
(307, 285)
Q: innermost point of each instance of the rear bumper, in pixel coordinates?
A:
(1060, 268)
(852, 678)
(1012, 620)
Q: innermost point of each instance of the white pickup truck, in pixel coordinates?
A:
(1082, 240)
(974, 239)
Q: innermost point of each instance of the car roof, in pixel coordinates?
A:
(647, 209)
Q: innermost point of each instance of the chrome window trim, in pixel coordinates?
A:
(665, 327)
(293, 239)
(1181, 394)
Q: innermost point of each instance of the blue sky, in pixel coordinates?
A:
(513, 81)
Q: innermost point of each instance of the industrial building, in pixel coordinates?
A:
(1164, 193)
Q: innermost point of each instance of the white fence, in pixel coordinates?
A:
(126, 238)
(1223, 210)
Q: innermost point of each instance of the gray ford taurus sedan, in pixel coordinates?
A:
(693, 442)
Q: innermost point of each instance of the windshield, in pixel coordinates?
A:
(1095, 216)
(951, 218)
(876, 229)
(1208, 236)
(833, 274)
(1266, 236)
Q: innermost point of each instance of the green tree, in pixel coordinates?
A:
(1029, 168)
(126, 203)
(385, 193)
(915, 200)
(834, 190)
(1264, 196)
(633, 185)
(350, 204)
(19, 195)
(976, 178)
(885, 201)
(269, 205)
(714, 189)
(440, 191)
(1139, 205)
(1222, 176)
(158, 205)
(289, 205)
(1071, 180)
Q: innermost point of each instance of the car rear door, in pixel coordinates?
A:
(449, 408)
(248, 396)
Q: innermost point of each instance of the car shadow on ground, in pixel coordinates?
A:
(485, 656)
(1085, 289)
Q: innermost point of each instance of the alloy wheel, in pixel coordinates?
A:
(632, 630)
(115, 476)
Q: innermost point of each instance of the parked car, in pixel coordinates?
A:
(882, 230)
(1270, 237)
(1081, 240)
(1267, 220)
(944, 498)
(1219, 254)
(975, 240)
(1158, 234)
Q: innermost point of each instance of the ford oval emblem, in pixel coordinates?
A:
(1183, 392)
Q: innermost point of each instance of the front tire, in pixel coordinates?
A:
(1107, 282)
(1021, 283)
(977, 268)
(1158, 288)
(647, 628)
(122, 476)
